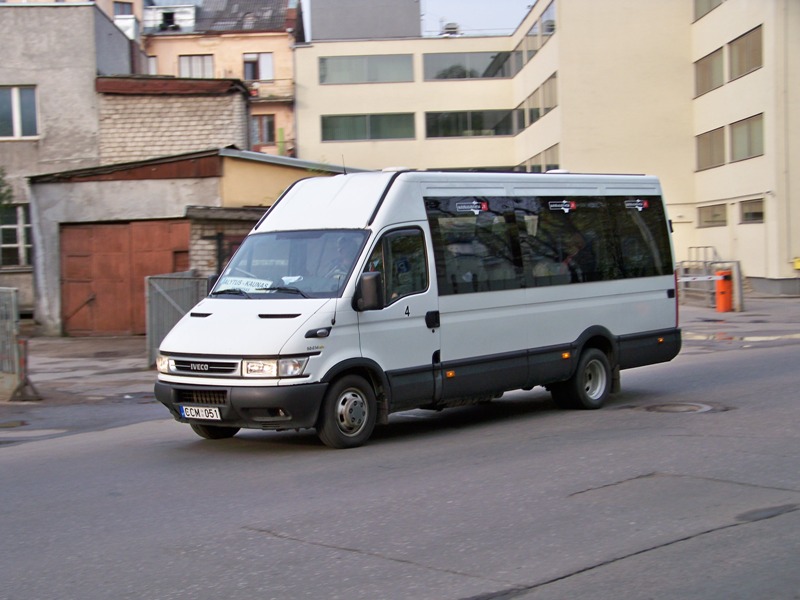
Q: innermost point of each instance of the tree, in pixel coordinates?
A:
(6, 193)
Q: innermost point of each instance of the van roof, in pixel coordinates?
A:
(351, 201)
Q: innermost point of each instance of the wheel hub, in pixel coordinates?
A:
(594, 381)
(351, 412)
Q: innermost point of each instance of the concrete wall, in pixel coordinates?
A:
(108, 39)
(364, 19)
(250, 183)
(86, 202)
(64, 80)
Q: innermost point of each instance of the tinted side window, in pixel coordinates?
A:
(475, 244)
(484, 244)
(574, 240)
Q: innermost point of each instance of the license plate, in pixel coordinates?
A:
(209, 413)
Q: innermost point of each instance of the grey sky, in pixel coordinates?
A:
(474, 17)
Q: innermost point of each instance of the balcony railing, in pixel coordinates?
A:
(274, 90)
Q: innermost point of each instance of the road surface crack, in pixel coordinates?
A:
(358, 551)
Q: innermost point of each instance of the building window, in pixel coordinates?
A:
(533, 164)
(152, 65)
(398, 126)
(123, 8)
(386, 68)
(258, 66)
(533, 105)
(470, 123)
(745, 53)
(262, 130)
(15, 236)
(747, 138)
(752, 211)
(551, 158)
(711, 149)
(548, 22)
(712, 216)
(532, 41)
(18, 112)
(549, 94)
(199, 66)
(708, 73)
(703, 7)
(467, 65)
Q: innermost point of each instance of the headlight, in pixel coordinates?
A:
(284, 367)
(260, 368)
(164, 364)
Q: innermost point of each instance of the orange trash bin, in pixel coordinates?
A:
(724, 291)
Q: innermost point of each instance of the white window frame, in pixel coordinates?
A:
(265, 65)
(22, 245)
(16, 113)
(196, 66)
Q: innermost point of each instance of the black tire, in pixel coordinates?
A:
(348, 413)
(214, 432)
(589, 386)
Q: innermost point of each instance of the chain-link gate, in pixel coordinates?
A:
(168, 298)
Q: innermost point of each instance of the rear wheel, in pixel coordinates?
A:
(213, 432)
(589, 386)
(348, 413)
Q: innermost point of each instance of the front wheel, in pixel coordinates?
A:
(214, 432)
(589, 386)
(348, 413)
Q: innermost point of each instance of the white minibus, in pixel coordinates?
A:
(364, 294)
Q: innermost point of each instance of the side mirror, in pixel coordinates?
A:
(369, 292)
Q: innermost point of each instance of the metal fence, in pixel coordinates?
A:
(14, 382)
(9, 329)
(168, 298)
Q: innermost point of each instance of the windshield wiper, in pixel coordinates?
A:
(232, 291)
(283, 288)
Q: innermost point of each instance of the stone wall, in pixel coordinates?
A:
(138, 127)
(216, 234)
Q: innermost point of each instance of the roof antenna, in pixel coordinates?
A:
(344, 167)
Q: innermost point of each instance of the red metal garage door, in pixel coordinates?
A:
(103, 266)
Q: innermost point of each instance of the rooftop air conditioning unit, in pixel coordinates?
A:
(450, 29)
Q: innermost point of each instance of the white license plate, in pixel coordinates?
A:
(208, 413)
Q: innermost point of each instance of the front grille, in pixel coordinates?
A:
(198, 366)
(214, 397)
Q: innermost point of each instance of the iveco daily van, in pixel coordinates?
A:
(360, 295)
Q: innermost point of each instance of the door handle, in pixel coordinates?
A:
(432, 319)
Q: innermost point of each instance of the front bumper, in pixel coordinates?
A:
(280, 407)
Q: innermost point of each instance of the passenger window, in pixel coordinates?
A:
(475, 244)
(400, 258)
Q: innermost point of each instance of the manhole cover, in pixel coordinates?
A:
(680, 407)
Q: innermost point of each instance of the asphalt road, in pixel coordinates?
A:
(685, 486)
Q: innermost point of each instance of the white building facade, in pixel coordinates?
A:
(698, 92)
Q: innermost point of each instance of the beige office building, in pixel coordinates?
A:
(702, 93)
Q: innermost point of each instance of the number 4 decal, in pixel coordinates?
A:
(408, 311)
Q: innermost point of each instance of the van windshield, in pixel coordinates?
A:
(303, 264)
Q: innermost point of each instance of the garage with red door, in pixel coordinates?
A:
(103, 270)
